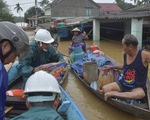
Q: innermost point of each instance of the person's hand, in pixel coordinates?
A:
(38, 68)
(84, 33)
(70, 43)
(107, 67)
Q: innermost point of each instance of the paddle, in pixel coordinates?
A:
(9, 109)
(148, 92)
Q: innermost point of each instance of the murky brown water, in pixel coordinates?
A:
(92, 107)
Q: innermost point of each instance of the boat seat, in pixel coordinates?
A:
(63, 107)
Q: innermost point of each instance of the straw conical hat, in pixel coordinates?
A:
(76, 30)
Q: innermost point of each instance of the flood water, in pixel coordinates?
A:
(92, 107)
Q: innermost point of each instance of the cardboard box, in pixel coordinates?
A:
(107, 76)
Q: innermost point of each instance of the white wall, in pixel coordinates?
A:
(96, 30)
(137, 30)
(48, 11)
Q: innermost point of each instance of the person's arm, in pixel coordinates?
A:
(145, 58)
(63, 54)
(147, 54)
(26, 64)
(108, 67)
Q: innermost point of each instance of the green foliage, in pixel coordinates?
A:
(31, 12)
(18, 8)
(140, 2)
(124, 5)
(43, 3)
(5, 14)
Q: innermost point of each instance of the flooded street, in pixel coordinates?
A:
(92, 107)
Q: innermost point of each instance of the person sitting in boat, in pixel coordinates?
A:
(43, 97)
(55, 45)
(13, 42)
(79, 38)
(135, 69)
(41, 52)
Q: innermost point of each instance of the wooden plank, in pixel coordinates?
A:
(148, 92)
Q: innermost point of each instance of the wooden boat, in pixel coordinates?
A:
(16, 106)
(140, 110)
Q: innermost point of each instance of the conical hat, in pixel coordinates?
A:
(76, 30)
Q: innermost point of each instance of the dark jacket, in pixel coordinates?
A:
(36, 58)
(39, 113)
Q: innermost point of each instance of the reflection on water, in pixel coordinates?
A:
(92, 107)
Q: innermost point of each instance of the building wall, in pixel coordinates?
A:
(48, 11)
(77, 8)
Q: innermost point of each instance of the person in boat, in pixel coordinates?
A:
(43, 98)
(56, 45)
(41, 52)
(79, 38)
(54, 33)
(13, 42)
(132, 84)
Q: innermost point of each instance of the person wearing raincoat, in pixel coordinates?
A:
(43, 98)
(13, 42)
(41, 52)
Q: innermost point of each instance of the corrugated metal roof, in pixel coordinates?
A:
(77, 20)
(124, 15)
(145, 7)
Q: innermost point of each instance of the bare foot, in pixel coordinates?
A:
(100, 90)
(107, 95)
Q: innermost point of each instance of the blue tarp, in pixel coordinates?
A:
(63, 32)
(90, 57)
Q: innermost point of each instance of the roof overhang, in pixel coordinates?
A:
(123, 15)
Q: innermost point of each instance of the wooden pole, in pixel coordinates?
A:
(36, 14)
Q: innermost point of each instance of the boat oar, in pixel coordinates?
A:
(90, 31)
(9, 109)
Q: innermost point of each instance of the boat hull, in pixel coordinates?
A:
(135, 110)
(16, 106)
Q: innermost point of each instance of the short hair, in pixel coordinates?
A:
(11, 44)
(130, 40)
(55, 43)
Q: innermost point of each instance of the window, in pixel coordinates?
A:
(88, 11)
